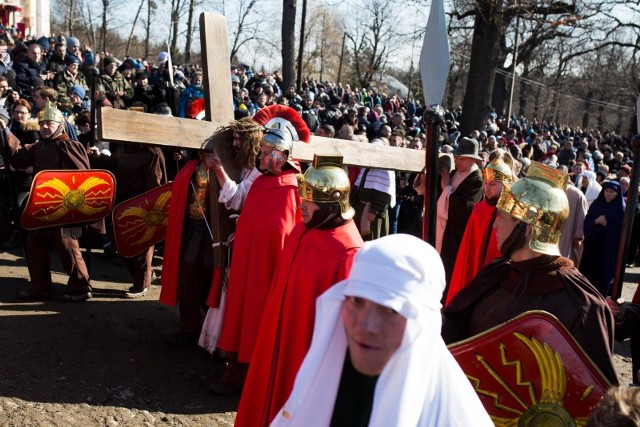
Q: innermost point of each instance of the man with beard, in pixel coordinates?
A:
(532, 275)
(54, 150)
(318, 253)
(187, 271)
(349, 124)
(479, 245)
(269, 214)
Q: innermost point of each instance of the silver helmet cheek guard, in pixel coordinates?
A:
(276, 161)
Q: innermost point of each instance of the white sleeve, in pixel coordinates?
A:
(233, 194)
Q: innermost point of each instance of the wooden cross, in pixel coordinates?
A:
(127, 126)
(134, 127)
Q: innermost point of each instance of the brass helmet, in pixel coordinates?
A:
(327, 182)
(498, 170)
(539, 199)
(50, 113)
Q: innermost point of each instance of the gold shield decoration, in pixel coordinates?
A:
(531, 372)
(65, 197)
(141, 222)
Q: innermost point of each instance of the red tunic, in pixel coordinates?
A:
(312, 261)
(271, 211)
(479, 239)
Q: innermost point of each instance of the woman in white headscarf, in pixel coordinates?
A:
(587, 183)
(377, 357)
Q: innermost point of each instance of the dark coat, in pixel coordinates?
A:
(461, 201)
(505, 289)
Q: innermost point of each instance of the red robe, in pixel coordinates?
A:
(171, 258)
(312, 261)
(271, 211)
(478, 247)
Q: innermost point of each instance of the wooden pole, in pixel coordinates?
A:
(433, 117)
(627, 222)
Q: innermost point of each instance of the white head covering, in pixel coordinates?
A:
(593, 189)
(421, 385)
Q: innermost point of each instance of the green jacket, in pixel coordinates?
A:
(116, 83)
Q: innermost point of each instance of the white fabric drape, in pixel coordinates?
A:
(421, 385)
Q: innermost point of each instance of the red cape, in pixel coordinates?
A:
(469, 260)
(311, 262)
(171, 258)
(269, 214)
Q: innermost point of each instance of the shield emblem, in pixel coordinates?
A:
(530, 371)
(65, 197)
(141, 221)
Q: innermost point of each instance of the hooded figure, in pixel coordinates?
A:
(587, 183)
(602, 231)
(418, 384)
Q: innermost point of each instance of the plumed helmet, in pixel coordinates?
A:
(498, 170)
(283, 125)
(50, 113)
(539, 200)
(327, 182)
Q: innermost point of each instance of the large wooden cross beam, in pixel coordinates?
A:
(133, 127)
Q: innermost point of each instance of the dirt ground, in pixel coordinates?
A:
(104, 362)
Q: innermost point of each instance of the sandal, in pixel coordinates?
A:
(76, 297)
(32, 295)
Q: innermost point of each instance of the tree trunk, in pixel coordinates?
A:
(133, 27)
(148, 28)
(482, 67)
(500, 93)
(288, 42)
(103, 28)
(174, 34)
(70, 18)
(187, 46)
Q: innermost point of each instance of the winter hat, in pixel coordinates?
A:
(108, 61)
(71, 59)
(162, 57)
(44, 42)
(79, 90)
(73, 42)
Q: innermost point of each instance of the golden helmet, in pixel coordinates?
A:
(498, 170)
(539, 200)
(50, 113)
(327, 182)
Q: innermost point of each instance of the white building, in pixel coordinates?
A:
(29, 17)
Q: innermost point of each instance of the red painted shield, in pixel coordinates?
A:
(141, 221)
(531, 371)
(64, 197)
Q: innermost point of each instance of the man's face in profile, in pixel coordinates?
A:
(374, 333)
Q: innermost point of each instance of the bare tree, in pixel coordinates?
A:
(151, 8)
(372, 40)
(246, 28)
(133, 27)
